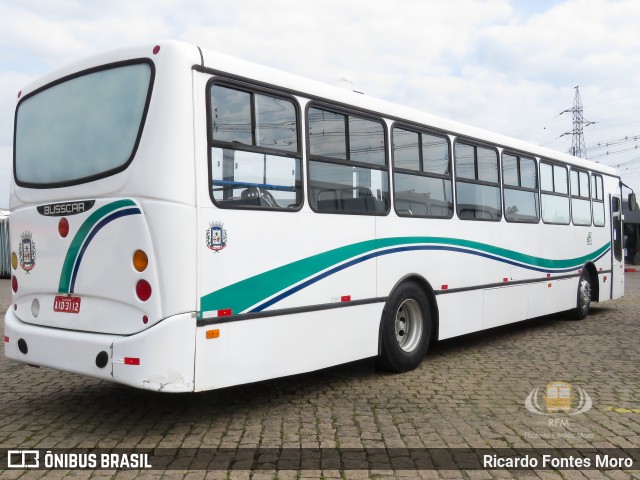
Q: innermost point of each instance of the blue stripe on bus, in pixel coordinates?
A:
(379, 253)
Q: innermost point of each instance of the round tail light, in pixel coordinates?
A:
(14, 284)
(63, 227)
(143, 290)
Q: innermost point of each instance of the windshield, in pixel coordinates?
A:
(83, 128)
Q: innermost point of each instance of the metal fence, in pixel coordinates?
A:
(5, 261)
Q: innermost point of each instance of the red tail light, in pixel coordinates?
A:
(63, 227)
(143, 290)
(14, 284)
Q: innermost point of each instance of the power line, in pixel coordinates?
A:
(614, 99)
(537, 126)
(613, 143)
(615, 152)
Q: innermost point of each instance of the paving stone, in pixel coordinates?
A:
(469, 392)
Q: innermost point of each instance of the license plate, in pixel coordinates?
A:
(66, 304)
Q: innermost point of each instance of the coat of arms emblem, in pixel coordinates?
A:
(216, 236)
(27, 252)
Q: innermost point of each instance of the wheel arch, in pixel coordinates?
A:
(433, 305)
(590, 268)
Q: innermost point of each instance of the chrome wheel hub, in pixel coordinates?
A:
(408, 325)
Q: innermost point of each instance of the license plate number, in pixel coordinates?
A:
(66, 304)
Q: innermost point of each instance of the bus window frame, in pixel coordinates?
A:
(554, 193)
(82, 73)
(579, 170)
(595, 177)
(251, 88)
(519, 156)
(422, 173)
(470, 142)
(340, 110)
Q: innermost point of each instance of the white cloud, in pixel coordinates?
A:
(505, 65)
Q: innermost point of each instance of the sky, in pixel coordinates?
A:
(510, 66)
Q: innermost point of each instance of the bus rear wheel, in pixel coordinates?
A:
(584, 296)
(406, 328)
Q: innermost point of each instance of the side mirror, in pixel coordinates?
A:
(633, 203)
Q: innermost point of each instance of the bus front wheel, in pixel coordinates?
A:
(584, 296)
(406, 328)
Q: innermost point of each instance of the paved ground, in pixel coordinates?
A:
(470, 392)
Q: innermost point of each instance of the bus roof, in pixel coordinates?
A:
(317, 90)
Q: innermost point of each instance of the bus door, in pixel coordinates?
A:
(617, 252)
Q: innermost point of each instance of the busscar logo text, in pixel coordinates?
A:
(69, 208)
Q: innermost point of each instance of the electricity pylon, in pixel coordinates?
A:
(577, 134)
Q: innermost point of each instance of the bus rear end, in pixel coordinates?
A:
(94, 213)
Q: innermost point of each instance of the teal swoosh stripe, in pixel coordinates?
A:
(243, 294)
(81, 236)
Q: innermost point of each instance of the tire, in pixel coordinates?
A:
(583, 302)
(405, 328)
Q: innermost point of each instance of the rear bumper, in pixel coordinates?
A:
(160, 358)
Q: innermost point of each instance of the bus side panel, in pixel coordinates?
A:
(253, 350)
(561, 295)
(505, 305)
(442, 252)
(172, 229)
(460, 313)
(304, 259)
(537, 300)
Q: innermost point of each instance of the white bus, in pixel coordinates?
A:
(183, 221)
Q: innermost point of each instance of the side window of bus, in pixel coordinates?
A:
(421, 174)
(347, 163)
(255, 159)
(477, 183)
(580, 198)
(520, 178)
(597, 196)
(555, 194)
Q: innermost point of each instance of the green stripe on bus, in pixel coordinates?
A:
(81, 236)
(243, 294)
